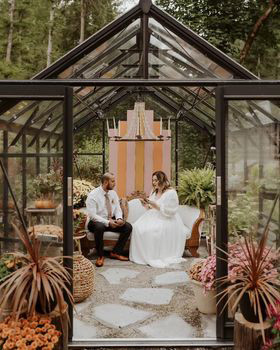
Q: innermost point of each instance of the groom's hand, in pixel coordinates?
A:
(113, 223)
(120, 222)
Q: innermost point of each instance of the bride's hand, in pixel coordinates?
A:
(152, 204)
(144, 202)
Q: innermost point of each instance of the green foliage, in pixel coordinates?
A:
(31, 25)
(89, 167)
(196, 187)
(217, 22)
(47, 184)
(242, 214)
(8, 264)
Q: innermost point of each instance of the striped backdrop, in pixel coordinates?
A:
(133, 163)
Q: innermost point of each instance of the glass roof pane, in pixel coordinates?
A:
(188, 59)
(32, 118)
(99, 58)
(251, 114)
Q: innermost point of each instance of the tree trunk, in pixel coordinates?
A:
(11, 30)
(49, 50)
(83, 15)
(248, 335)
(251, 37)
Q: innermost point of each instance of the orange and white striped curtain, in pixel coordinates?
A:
(133, 162)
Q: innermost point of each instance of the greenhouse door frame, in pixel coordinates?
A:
(15, 93)
(225, 94)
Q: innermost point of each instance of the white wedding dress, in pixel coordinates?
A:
(159, 236)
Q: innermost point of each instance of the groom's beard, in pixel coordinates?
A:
(109, 187)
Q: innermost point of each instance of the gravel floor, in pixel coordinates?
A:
(182, 302)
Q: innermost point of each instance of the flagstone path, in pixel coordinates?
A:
(137, 301)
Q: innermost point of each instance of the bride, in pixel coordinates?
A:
(158, 236)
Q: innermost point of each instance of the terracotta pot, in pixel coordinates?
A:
(45, 204)
(205, 301)
(11, 204)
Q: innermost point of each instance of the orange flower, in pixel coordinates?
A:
(51, 331)
(22, 347)
(38, 330)
(44, 320)
(29, 337)
(54, 339)
(33, 324)
(33, 345)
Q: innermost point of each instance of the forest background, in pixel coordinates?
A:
(35, 33)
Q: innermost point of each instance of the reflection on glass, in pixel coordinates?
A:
(100, 58)
(192, 62)
(253, 168)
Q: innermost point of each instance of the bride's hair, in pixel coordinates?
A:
(162, 179)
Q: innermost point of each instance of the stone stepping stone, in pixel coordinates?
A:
(208, 325)
(172, 326)
(178, 277)
(119, 316)
(83, 305)
(83, 330)
(115, 275)
(153, 296)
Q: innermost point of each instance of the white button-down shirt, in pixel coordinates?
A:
(96, 205)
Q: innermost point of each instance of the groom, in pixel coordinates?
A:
(106, 215)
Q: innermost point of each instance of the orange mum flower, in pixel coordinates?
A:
(51, 331)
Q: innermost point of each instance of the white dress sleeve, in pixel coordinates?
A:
(169, 204)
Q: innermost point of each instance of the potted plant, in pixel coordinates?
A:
(79, 221)
(47, 187)
(273, 342)
(203, 287)
(254, 280)
(197, 187)
(8, 264)
(81, 189)
(41, 280)
(34, 332)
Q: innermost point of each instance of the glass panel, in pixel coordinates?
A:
(253, 167)
(181, 56)
(93, 63)
(33, 175)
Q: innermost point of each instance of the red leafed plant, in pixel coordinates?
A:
(41, 280)
(255, 276)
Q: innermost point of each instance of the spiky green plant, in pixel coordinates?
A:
(197, 187)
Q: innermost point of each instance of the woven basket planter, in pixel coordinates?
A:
(83, 278)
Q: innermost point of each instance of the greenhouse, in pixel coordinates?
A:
(136, 85)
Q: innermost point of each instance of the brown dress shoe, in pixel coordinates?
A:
(118, 257)
(99, 261)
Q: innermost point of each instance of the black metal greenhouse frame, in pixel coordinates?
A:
(225, 91)
(46, 85)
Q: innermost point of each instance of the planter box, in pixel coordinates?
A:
(205, 301)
